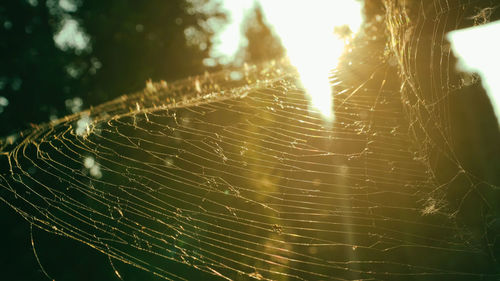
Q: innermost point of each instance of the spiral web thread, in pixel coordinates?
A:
(212, 178)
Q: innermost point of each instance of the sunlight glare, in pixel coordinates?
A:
(306, 29)
(477, 51)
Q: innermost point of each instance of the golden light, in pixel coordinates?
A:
(307, 31)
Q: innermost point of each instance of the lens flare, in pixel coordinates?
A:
(307, 31)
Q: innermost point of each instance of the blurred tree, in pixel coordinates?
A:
(262, 43)
(121, 45)
(32, 74)
(50, 68)
(135, 41)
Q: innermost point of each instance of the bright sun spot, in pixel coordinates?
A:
(477, 51)
(307, 31)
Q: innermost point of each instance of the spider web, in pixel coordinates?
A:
(215, 178)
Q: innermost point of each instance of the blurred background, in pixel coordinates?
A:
(58, 57)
